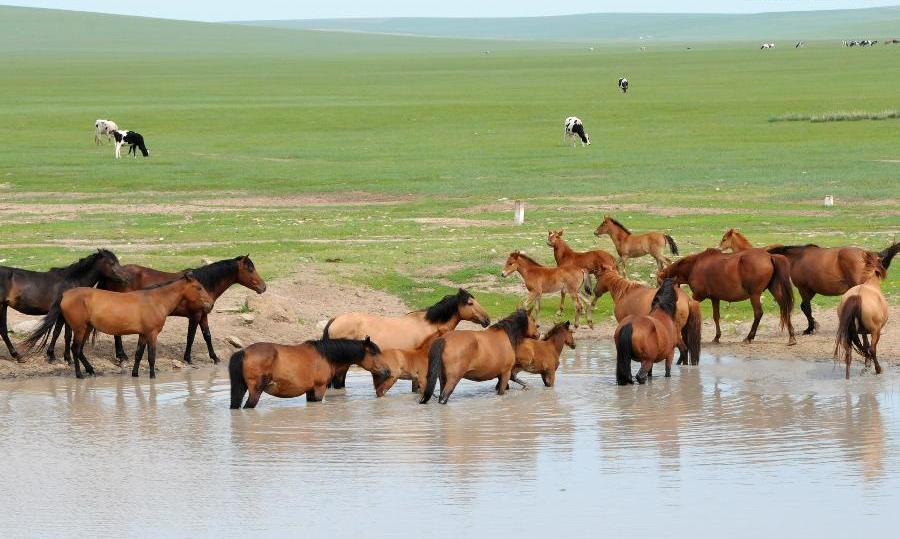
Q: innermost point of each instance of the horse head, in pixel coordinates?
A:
(727, 241)
(554, 237)
(107, 264)
(195, 293)
(247, 275)
(512, 264)
(469, 309)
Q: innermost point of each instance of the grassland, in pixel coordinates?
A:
(392, 161)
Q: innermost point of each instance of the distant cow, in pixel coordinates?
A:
(623, 85)
(767, 46)
(799, 45)
(574, 130)
(134, 140)
(104, 127)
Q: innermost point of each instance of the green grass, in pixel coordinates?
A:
(853, 116)
(441, 135)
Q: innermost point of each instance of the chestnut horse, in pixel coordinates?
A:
(142, 312)
(477, 355)
(592, 261)
(542, 356)
(216, 279)
(288, 371)
(404, 365)
(405, 332)
(718, 277)
(634, 298)
(734, 240)
(863, 311)
(648, 338)
(630, 245)
(540, 280)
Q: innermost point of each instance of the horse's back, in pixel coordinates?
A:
(404, 332)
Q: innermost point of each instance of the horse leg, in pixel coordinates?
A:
(67, 351)
(416, 385)
(51, 350)
(384, 386)
(207, 336)
(562, 301)
(876, 335)
(447, 389)
(549, 378)
(151, 353)
(847, 359)
(339, 380)
(682, 351)
(4, 332)
(646, 371)
(192, 330)
(138, 354)
(77, 346)
(715, 306)
(806, 306)
(757, 316)
(513, 377)
(120, 349)
(503, 384)
(669, 364)
(624, 261)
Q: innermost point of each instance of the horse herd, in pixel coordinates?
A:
(96, 293)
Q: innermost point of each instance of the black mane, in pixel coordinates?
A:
(785, 249)
(443, 310)
(84, 265)
(515, 326)
(344, 351)
(620, 225)
(666, 298)
(888, 254)
(211, 274)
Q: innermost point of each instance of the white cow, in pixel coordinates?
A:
(104, 127)
(574, 129)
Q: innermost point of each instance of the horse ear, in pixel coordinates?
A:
(566, 324)
(561, 230)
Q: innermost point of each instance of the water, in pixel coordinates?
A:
(736, 446)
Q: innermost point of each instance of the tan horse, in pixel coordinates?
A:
(630, 245)
(289, 371)
(404, 365)
(592, 261)
(648, 338)
(406, 332)
(863, 311)
(540, 280)
(634, 298)
(477, 355)
(542, 356)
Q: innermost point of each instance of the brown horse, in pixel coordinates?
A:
(477, 355)
(404, 365)
(142, 312)
(542, 356)
(406, 332)
(288, 371)
(863, 311)
(734, 240)
(216, 279)
(592, 261)
(634, 298)
(630, 245)
(540, 280)
(648, 338)
(718, 277)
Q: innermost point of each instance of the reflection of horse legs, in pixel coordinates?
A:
(757, 316)
(806, 306)
(715, 306)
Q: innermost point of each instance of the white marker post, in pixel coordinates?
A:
(519, 215)
(829, 201)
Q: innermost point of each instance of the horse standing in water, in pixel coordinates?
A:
(142, 312)
(477, 355)
(630, 245)
(35, 292)
(863, 311)
(634, 298)
(406, 332)
(216, 279)
(288, 371)
(540, 280)
(718, 277)
(404, 365)
(542, 356)
(648, 338)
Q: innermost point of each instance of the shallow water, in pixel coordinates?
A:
(737, 447)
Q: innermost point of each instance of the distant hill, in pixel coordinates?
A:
(876, 23)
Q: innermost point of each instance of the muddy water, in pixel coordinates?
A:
(736, 447)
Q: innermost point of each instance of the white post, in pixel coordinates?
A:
(829, 201)
(519, 215)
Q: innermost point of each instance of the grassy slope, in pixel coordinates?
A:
(298, 112)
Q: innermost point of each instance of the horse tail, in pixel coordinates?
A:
(672, 245)
(888, 254)
(781, 288)
(39, 337)
(325, 336)
(850, 324)
(624, 355)
(690, 333)
(435, 366)
(236, 374)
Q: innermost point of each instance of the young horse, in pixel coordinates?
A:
(592, 261)
(634, 298)
(477, 355)
(542, 356)
(863, 311)
(216, 279)
(647, 338)
(406, 332)
(35, 292)
(718, 277)
(142, 312)
(404, 365)
(630, 245)
(540, 280)
(288, 371)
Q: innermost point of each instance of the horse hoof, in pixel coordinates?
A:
(79, 376)
(792, 342)
(809, 331)
(216, 360)
(747, 341)
(121, 358)
(134, 374)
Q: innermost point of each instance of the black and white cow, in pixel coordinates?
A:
(104, 127)
(623, 84)
(134, 140)
(574, 129)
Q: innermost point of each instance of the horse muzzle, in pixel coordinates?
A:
(260, 288)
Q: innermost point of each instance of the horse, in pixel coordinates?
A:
(634, 298)
(216, 279)
(142, 312)
(540, 280)
(404, 365)
(542, 356)
(477, 355)
(592, 261)
(134, 140)
(648, 338)
(862, 311)
(104, 127)
(288, 371)
(35, 292)
(573, 129)
(405, 332)
(718, 277)
(630, 245)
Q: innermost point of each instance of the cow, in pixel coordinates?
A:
(104, 127)
(134, 140)
(623, 85)
(574, 129)
(799, 45)
(767, 46)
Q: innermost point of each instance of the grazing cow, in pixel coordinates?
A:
(134, 140)
(767, 46)
(799, 45)
(623, 85)
(104, 127)
(574, 128)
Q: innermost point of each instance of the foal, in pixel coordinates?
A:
(404, 365)
(863, 311)
(648, 338)
(630, 245)
(540, 280)
(542, 356)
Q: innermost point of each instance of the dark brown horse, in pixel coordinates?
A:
(216, 279)
(289, 371)
(648, 338)
(34, 292)
(718, 277)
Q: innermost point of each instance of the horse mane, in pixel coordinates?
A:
(620, 285)
(84, 265)
(528, 259)
(515, 326)
(165, 283)
(554, 330)
(888, 254)
(785, 249)
(211, 274)
(666, 298)
(620, 225)
(443, 310)
(343, 351)
(874, 266)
